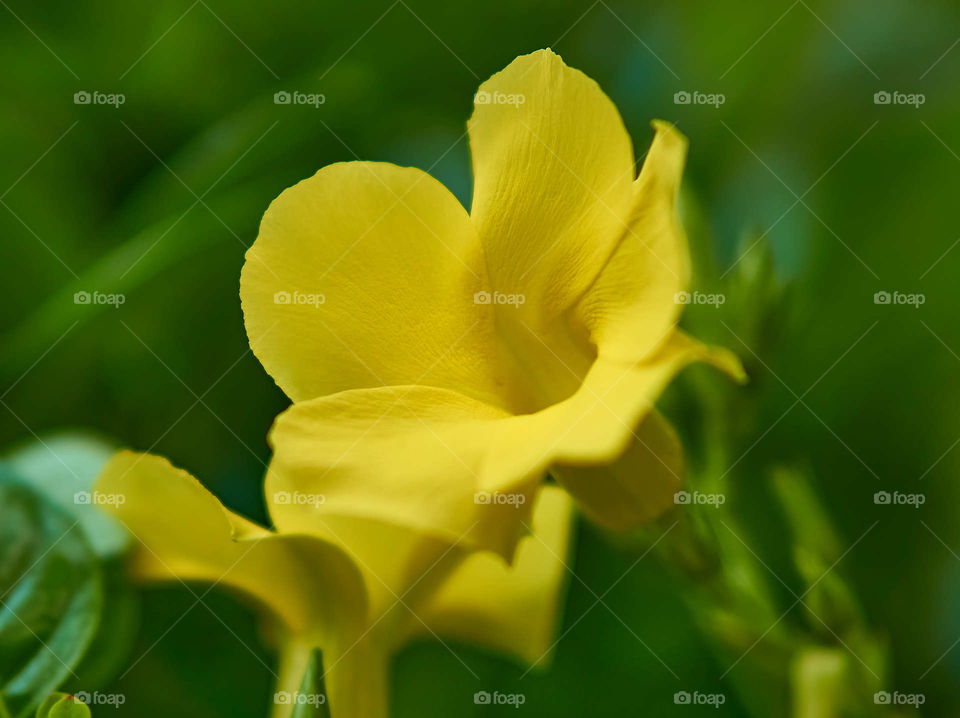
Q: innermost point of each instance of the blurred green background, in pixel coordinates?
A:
(158, 199)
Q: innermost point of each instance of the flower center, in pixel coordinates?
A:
(545, 364)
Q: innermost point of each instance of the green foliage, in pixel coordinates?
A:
(68, 612)
(53, 595)
(63, 468)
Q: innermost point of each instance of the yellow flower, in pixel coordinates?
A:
(357, 589)
(432, 353)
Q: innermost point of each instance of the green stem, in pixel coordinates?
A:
(294, 660)
(358, 681)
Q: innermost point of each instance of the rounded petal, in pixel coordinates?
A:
(446, 465)
(184, 533)
(553, 171)
(364, 275)
(410, 456)
(635, 300)
(635, 488)
(513, 609)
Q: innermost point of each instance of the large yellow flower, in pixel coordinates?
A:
(432, 353)
(358, 590)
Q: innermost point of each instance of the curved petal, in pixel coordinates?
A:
(635, 488)
(398, 564)
(184, 533)
(514, 609)
(364, 275)
(623, 462)
(553, 171)
(446, 465)
(616, 396)
(634, 301)
(411, 456)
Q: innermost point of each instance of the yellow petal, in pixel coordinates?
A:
(636, 487)
(364, 275)
(418, 456)
(183, 532)
(633, 304)
(623, 461)
(616, 396)
(553, 169)
(410, 456)
(419, 585)
(399, 565)
(513, 609)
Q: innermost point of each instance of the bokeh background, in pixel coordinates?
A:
(798, 185)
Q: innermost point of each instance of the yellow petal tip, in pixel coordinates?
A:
(727, 362)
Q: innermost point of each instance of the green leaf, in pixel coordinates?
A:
(311, 700)
(63, 468)
(61, 705)
(117, 631)
(51, 595)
